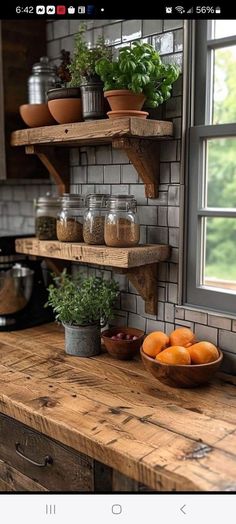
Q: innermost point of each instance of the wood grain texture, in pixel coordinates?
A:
(94, 132)
(116, 413)
(13, 480)
(101, 255)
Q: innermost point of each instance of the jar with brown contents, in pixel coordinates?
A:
(94, 219)
(70, 219)
(46, 211)
(121, 222)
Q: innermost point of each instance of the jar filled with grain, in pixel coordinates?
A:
(94, 218)
(121, 222)
(46, 211)
(70, 218)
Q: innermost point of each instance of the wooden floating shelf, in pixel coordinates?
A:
(139, 263)
(139, 138)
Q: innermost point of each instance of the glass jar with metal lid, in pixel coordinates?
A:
(94, 218)
(46, 211)
(121, 222)
(70, 218)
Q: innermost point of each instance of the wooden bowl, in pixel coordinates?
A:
(36, 115)
(188, 376)
(122, 349)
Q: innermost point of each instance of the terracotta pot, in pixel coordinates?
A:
(63, 92)
(123, 99)
(66, 110)
(121, 114)
(36, 115)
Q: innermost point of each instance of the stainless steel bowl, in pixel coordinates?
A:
(16, 287)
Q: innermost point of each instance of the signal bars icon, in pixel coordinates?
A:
(190, 10)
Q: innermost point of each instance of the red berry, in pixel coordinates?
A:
(113, 338)
(135, 338)
(129, 337)
(120, 336)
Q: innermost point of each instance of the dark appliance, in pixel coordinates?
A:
(23, 288)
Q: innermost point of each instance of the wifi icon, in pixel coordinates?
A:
(180, 9)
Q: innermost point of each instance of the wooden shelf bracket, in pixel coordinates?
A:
(56, 160)
(144, 279)
(145, 156)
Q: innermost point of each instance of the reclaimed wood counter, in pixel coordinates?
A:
(114, 413)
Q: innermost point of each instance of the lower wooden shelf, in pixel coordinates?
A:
(139, 263)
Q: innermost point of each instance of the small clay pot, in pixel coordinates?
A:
(66, 110)
(36, 115)
(123, 99)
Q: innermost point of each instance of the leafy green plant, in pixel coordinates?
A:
(84, 60)
(82, 301)
(139, 68)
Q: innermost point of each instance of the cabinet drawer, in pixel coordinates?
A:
(65, 469)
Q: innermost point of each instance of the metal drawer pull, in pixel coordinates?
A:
(47, 459)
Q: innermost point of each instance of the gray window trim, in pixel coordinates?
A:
(197, 294)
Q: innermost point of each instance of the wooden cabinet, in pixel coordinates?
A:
(30, 461)
(22, 42)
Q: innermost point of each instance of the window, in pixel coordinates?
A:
(211, 242)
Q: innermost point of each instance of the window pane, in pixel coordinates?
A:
(220, 253)
(224, 85)
(223, 28)
(221, 173)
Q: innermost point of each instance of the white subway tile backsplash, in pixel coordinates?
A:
(227, 340)
(219, 321)
(147, 215)
(112, 34)
(155, 325)
(128, 302)
(169, 312)
(95, 174)
(103, 155)
(129, 174)
(196, 316)
(206, 333)
(151, 27)
(112, 174)
(137, 321)
(131, 30)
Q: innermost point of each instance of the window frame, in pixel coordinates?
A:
(201, 129)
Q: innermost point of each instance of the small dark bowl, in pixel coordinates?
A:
(123, 349)
(63, 92)
(188, 376)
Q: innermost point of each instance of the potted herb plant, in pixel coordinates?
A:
(83, 306)
(83, 73)
(64, 101)
(138, 75)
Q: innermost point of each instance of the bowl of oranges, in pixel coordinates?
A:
(179, 360)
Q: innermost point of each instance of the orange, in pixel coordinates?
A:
(154, 343)
(203, 352)
(174, 355)
(182, 336)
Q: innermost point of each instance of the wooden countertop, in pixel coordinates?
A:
(115, 412)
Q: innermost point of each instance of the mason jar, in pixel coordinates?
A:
(121, 222)
(70, 218)
(94, 218)
(46, 211)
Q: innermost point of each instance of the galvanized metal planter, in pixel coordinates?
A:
(93, 103)
(82, 341)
